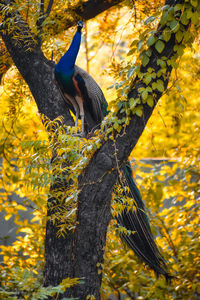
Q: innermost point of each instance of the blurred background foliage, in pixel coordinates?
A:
(165, 160)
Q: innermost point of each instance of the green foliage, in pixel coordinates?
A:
(173, 131)
(172, 22)
(26, 172)
(25, 284)
(170, 190)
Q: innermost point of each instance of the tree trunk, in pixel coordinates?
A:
(80, 252)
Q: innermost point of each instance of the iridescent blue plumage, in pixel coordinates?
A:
(64, 70)
(66, 79)
(79, 89)
(67, 61)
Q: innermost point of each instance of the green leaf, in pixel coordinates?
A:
(195, 18)
(160, 85)
(148, 52)
(154, 85)
(149, 89)
(149, 20)
(147, 79)
(133, 50)
(139, 45)
(163, 70)
(144, 95)
(139, 112)
(159, 73)
(179, 36)
(160, 45)
(178, 7)
(194, 3)
(166, 35)
(174, 64)
(141, 89)
(131, 71)
(151, 40)
(184, 20)
(180, 50)
(174, 25)
(115, 125)
(134, 43)
(150, 101)
(145, 60)
(165, 7)
(161, 63)
(189, 13)
(150, 70)
(164, 18)
(133, 102)
(119, 104)
(187, 36)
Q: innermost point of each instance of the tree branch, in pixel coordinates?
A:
(100, 176)
(96, 184)
(30, 60)
(49, 8)
(92, 8)
(86, 11)
(44, 15)
(34, 67)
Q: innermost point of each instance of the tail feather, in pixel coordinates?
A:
(136, 221)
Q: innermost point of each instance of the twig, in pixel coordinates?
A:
(168, 237)
(49, 8)
(42, 17)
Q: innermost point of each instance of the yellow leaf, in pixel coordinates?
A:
(20, 207)
(26, 230)
(7, 217)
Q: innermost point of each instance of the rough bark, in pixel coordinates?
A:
(92, 8)
(36, 70)
(80, 253)
(88, 10)
(5, 60)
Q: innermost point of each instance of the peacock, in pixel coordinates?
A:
(87, 101)
(79, 89)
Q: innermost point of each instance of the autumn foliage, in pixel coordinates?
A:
(165, 161)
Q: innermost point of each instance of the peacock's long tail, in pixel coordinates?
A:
(136, 221)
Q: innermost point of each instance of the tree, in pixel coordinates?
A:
(159, 51)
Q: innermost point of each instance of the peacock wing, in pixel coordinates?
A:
(92, 94)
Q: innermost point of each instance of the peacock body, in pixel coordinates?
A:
(75, 81)
(80, 90)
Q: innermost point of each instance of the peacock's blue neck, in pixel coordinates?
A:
(67, 61)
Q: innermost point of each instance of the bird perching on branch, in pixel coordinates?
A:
(87, 101)
(80, 91)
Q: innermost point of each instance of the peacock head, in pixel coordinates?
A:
(79, 25)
